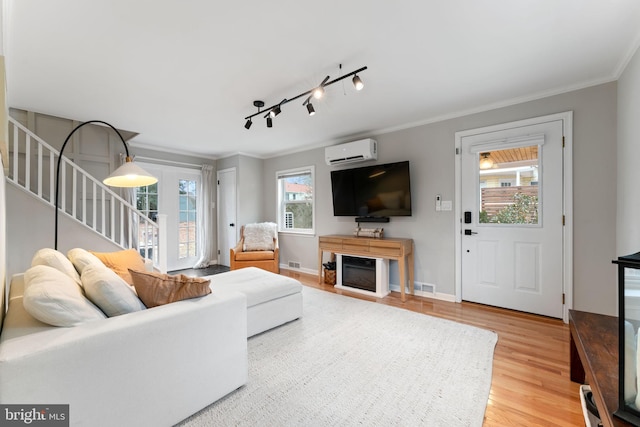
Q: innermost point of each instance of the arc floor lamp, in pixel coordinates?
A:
(127, 175)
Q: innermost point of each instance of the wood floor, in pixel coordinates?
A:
(530, 384)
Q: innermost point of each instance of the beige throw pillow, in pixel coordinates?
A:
(81, 259)
(57, 260)
(54, 298)
(109, 291)
(156, 289)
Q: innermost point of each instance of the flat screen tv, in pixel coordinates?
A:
(372, 191)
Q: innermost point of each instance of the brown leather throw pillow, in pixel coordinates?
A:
(156, 289)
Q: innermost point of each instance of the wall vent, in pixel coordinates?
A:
(294, 264)
(425, 288)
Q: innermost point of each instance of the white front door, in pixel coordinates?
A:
(227, 229)
(512, 217)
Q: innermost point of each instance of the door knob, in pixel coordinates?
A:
(469, 232)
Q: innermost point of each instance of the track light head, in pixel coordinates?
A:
(269, 122)
(275, 111)
(310, 109)
(248, 124)
(318, 92)
(357, 82)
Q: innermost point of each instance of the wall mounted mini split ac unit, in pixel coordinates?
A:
(356, 151)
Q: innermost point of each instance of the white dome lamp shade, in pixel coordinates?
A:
(129, 175)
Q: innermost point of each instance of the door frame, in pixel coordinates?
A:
(220, 207)
(567, 200)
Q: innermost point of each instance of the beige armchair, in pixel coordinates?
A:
(258, 247)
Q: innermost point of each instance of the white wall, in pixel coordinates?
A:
(32, 227)
(249, 177)
(430, 149)
(628, 220)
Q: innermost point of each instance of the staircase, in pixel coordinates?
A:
(87, 201)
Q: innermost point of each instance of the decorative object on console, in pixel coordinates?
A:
(628, 325)
(368, 232)
(317, 93)
(127, 175)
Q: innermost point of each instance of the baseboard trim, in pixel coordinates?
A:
(433, 295)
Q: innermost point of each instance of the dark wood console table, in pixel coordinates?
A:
(594, 360)
(400, 250)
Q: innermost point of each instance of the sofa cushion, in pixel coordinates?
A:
(156, 289)
(258, 285)
(109, 291)
(259, 237)
(56, 299)
(121, 262)
(57, 260)
(81, 258)
(254, 256)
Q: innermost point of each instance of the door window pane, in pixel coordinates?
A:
(147, 202)
(508, 182)
(187, 218)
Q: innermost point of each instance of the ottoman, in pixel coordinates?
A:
(272, 299)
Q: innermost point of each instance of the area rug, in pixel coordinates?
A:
(350, 362)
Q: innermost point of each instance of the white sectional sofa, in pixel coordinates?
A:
(152, 367)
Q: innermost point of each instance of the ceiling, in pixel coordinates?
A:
(184, 75)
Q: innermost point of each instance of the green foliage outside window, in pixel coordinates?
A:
(524, 210)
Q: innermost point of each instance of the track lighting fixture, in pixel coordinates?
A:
(317, 93)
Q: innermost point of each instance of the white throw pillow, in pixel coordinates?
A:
(54, 298)
(81, 258)
(259, 237)
(55, 259)
(109, 291)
